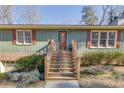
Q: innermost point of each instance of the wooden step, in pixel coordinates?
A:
(61, 78)
(62, 60)
(61, 68)
(62, 65)
(59, 61)
(54, 57)
(62, 73)
(63, 56)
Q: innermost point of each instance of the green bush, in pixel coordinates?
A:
(2, 76)
(103, 58)
(31, 63)
(92, 58)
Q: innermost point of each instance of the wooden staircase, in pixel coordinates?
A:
(62, 66)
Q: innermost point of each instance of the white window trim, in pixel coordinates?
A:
(23, 37)
(99, 31)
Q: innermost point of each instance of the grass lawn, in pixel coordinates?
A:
(102, 77)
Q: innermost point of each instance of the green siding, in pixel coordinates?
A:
(42, 38)
(80, 38)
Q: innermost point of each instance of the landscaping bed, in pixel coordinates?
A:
(29, 73)
(102, 77)
(7, 84)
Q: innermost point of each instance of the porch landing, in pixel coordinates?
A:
(62, 84)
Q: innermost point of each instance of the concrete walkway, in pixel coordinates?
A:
(62, 84)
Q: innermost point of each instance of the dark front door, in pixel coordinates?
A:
(62, 37)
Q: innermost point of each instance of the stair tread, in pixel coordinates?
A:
(61, 77)
(62, 61)
(61, 68)
(61, 72)
(62, 65)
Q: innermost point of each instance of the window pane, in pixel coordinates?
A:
(28, 40)
(103, 35)
(111, 43)
(27, 37)
(20, 37)
(95, 43)
(28, 34)
(102, 43)
(95, 35)
(111, 35)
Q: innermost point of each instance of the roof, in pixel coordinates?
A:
(58, 27)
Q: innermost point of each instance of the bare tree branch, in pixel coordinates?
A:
(104, 8)
(31, 15)
(6, 14)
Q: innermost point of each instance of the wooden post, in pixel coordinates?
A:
(78, 67)
(45, 68)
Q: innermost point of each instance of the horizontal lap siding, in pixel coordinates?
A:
(41, 41)
(42, 37)
(80, 37)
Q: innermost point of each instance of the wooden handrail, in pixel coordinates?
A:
(51, 49)
(76, 58)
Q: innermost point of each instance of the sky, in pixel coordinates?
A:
(54, 14)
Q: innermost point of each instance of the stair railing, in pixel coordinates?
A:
(51, 49)
(76, 58)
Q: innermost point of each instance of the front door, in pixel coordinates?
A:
(62, 38)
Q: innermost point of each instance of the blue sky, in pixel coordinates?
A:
(54, 14)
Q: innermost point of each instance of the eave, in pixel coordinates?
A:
(60, 27)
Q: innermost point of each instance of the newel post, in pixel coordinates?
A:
(47, 63)
(78, 67)
(45, 68)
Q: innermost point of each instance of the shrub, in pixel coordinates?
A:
(31, 63)
(26, 77)
(102, 58)
(115, 75)
(93, 58)
(93, 70)
(2, 76)
(97, 70)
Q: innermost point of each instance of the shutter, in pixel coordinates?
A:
(33, 37)
(118, 39)
(88, 39)
(14, 37)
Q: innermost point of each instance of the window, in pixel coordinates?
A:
(111, 39)
(95, 39)
(103, 39)
(24, 37)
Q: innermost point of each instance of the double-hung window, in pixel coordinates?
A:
(24, 37)
(105, 39)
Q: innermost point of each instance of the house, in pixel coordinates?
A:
(21, 40)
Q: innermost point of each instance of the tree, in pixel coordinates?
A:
(31, 15)
(111, 13)
(88, 16)
(6, 14)
(104, 11)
